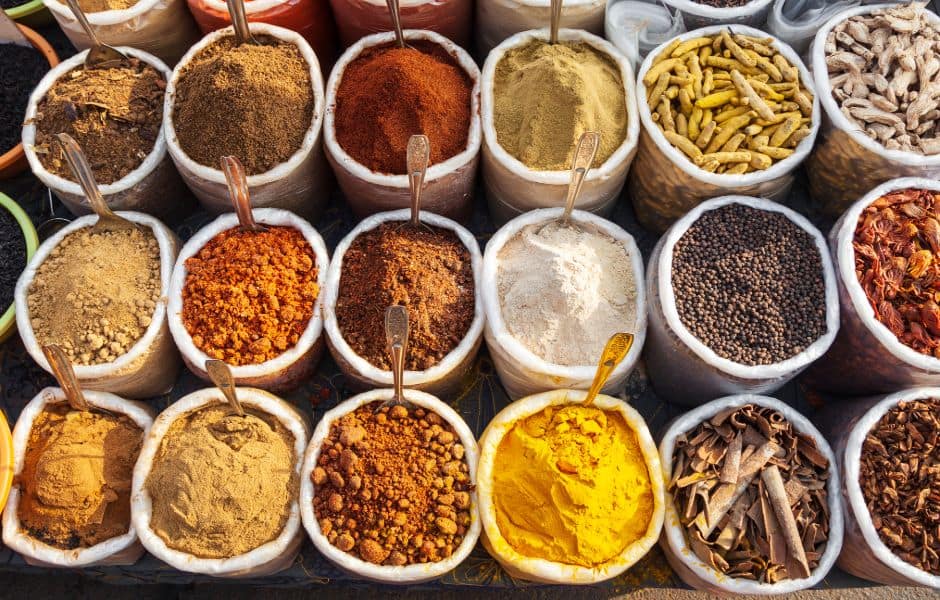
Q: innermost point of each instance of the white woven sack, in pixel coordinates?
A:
(698, 14)
(497, 20)
(686, 371)
(120, 550)
(665, 184)
(796, 22)
(154, 187)
(300, 184)
(675, 546)
(151, 365)
(521, 371)
(511, 187)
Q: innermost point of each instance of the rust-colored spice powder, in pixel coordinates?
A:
(389, 94)
(897, 241)
(427, 271)
(249, 295)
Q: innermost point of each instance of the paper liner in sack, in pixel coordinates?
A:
(292, 367)
(664, 184)
(520, 370)
(863, 553)
(300, 184)
(699, 14)
(164, 28)
(449, 185)
(154, 187)
(501, 19)
(846, 163)
(682, 368)
(866, 357)
(151, 365)
(511, 187)
(447, 375)
(401, 575)
(545, 571)
(356, 19)
(267, 559)
(701, 576)
(124, 549)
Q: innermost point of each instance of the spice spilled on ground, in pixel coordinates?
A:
(21, 68)
(12, 257)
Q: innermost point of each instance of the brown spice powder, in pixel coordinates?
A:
(393, 487)
(254, 102)
(114, 113)
(76, 477)
(222, 484)
(249, 295)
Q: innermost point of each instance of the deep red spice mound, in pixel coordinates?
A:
(389, 94)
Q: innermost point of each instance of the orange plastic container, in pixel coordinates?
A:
(358, 18)
(6, 459)
(312, 19)
(13, 162)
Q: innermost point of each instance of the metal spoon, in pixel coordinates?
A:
(396, 333)
(238, 192)
(417, 159)
(221, 376)
(393, 9)
(616, 349)
(583, 158)
(236, 11)
(51, 223)
(100, 54)
(62, 370)
(555, 21)
(107, 219)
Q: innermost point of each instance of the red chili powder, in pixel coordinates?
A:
(389, 94)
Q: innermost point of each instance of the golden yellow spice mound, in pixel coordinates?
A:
(572, 486)
(222, 485)
(76, 477)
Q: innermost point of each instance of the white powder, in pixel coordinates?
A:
(564, 291)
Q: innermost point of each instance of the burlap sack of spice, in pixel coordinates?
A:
(674, 543)
(686, 370)
(121, 550)
(164, 28)
(296, 364)
(447, 374)
(267, 559)
(866, 358)
(846, 163)
(698, 14)
(300, 185)
(403, 575)
(542, 570)
(449, 185)
(520, 370)
(511, 187)
(498, 20)
(864, 554)
(665, 184)
(154, 187)
(150, 367)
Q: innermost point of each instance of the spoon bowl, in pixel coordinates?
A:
(100, 54)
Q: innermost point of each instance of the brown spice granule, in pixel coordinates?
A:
(899, 474)
(427, 271)
(114, 113)
(92, 6)
(393, 487)
(249, 295)
(254, 102)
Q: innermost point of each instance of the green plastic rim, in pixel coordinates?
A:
(24, 10)
(8, 320)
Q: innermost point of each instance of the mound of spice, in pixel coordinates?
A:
(221, 484)
(748, 283)
(249, 295)
(730, 102)
(426, 270)
(883, 69)
(95, 294)
(113, 112)
(547, 95)
(93, 6)
(12, 257)
(392, 487)
(76, 478)
(253, 102)
(563, 291)
(21, 68)
(899, 475)
(388, 94)
(751, 492)
(572, 486)
(897, 242)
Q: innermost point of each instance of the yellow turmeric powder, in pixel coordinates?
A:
(572, 486)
